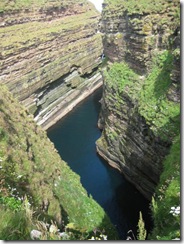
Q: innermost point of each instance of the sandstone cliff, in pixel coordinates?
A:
(140, 105)
(50, 52)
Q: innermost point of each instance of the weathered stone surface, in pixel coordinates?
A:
(136, 36)
(135, 33)
(48, 51)
(56, 105)
(128, 144)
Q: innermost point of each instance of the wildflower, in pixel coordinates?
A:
(35, 234)
(175, 211)
(92, 238)
(64, 235)
(53, 229)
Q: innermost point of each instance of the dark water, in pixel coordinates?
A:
(74, 137)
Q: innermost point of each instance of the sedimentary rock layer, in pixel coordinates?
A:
(66, 100)
(128, 144)
(135, 112)
(49, 50)
(134, 30)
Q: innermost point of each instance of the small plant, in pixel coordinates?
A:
(141, 228)
(11, 202)
(166, 202)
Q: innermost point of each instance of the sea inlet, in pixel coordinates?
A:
(74, 137)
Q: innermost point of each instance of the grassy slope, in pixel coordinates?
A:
(6, 5)
(141, 6)
(29, 165)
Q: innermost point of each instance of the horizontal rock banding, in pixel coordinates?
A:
(46, 43)
(141, 95)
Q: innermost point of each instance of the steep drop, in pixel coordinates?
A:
(74, 137)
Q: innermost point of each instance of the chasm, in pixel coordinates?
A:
(74, 137)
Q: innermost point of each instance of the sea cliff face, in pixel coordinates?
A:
(133, 31)
(50, 52)
(141, 94)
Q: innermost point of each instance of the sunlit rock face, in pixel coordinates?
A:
(50, 52)
(136, 34)
(133, 31)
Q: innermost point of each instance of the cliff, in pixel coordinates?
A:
(140, 105)
(30, 166)
(133, 31)
(50, 53)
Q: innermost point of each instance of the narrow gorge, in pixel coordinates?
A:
(53, 54)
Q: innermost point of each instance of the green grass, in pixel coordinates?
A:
(6, 5)
(120, 75)
(31, 166)
(141, 6)
(167, 225)
(17, 222)
(17, 36)
(161, 114)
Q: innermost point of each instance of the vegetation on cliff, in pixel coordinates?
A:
(10, 6)
(50, 48)
(31, 168)
(143, 90)
(161, 114)
(163, 117)
(140, 7)
(166, 201)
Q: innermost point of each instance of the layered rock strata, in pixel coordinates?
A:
(50, 52)
(133, 31)
(128, 144)
(134, 117)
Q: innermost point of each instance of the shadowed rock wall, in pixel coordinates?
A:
(132, 117)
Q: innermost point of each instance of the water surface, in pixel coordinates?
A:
(74, 137)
